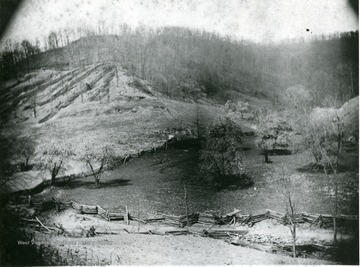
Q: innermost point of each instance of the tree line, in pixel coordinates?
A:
(178, 61)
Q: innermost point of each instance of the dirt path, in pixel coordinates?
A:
(152, 249)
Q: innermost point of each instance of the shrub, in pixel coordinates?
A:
(274, 134)
(221, 161)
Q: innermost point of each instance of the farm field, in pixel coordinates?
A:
(154, 183)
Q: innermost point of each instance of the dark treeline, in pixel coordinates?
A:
(181, 62)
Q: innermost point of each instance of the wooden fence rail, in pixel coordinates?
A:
(231, 218)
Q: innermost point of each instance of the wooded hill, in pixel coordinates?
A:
(181, 62)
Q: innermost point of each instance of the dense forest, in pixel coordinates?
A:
(180, 62)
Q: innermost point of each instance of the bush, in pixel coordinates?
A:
(221, 161)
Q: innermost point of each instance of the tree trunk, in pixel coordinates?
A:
(339, 139)
(97, 181)
(186, 207)
(52, 179)
(97, 177)
(198, 124)
(117, 76)
(335, 229)
(294, 241)
(266, 155)
(336, 211)
(352, 84)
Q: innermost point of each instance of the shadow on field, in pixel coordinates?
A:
(319, 168)
(91, 184)
(347, 252)
(311, 168)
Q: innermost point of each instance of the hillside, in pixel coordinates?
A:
(99, 106)
(132, 91)
(179, 63)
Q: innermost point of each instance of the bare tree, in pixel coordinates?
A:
(51, 157)
(325, 137)
(25, 147)
(96, 161)
(288, 185)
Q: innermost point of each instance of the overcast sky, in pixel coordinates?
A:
(257, 20)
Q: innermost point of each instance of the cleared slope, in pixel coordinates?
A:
(97, 105)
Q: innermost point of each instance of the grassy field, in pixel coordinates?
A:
(155, 183)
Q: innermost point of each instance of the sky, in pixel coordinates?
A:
(256, 20)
